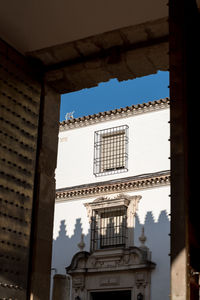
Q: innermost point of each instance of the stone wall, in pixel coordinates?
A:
(125, 53)
(29, 114)
(45, 196)
(19, 115)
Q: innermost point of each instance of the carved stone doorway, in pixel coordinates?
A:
(111, 295)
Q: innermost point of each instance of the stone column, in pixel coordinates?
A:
(61, 287)
(44, 198)
(184, 90)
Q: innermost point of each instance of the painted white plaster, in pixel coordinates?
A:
(154, 200)
(148, 149)
(71, 220)
(70, 211)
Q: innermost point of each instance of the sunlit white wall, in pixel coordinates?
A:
(153, 213)
(148, 149)
(149, 152)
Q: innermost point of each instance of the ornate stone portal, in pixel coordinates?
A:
(124, 268)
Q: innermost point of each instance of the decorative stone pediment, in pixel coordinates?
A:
(110, 260)
(113, 201)
(111, 268)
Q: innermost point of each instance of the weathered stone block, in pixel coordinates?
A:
(134, 36)
(65, 52)
(47, 191)
(87, 46)
(158, 55)
(138, 63)
(108, 40)
(61, 287)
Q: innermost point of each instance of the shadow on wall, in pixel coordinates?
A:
(64, 247)
(158, 241)
(157, 233)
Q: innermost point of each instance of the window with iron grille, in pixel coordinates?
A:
(108, 228)
(111, 150)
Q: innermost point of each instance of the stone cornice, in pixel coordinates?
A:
(115, 114)
(119, 186)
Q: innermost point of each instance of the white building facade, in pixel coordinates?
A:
(112, 210)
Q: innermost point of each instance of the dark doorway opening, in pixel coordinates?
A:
(111, 295)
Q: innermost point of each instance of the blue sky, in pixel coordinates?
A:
(114, 94)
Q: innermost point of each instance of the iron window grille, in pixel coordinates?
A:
(111, 150)
(108, 228)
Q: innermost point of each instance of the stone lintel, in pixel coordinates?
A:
(124, 54)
